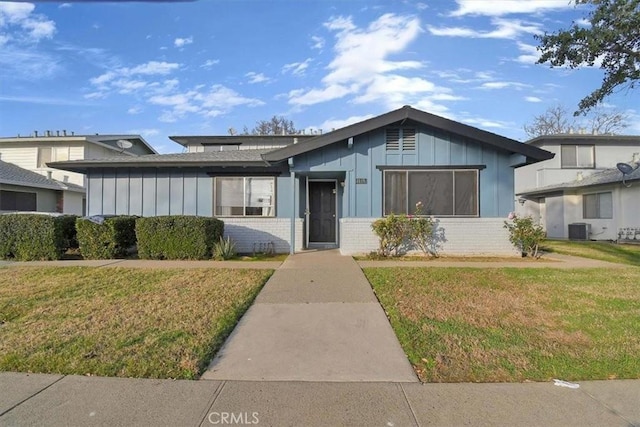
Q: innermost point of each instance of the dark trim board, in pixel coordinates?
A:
(435, 167)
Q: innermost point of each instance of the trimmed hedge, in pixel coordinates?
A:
(108, 240)
(177, 237)
(33, 237)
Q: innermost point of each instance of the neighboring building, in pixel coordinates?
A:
(325, 191)
(35, 152)
(581, 187)
(22, 190)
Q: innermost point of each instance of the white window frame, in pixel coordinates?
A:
(576, 148)
(598, 205)
(272, 212)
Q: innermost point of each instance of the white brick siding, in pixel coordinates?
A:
(246, 232)
(464, 236)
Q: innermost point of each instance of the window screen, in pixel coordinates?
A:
(441, 192)
(596, 206)
(239, 196)
(17, 201)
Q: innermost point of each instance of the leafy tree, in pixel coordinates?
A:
(277, 125)
(557, 120)
(611, 41)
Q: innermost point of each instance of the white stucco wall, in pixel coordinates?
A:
(72, 203)
(464, 237)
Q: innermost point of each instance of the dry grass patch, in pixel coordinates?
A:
(604, 251)
(486, 325)
(120, 322)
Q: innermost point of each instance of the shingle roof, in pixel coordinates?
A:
(213, 158)
(633, 140)
(606, 176)
(15, 175)
(238, 139)
(404, 113)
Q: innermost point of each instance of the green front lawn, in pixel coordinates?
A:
(605, 251)
(488, 325)
(120, 322)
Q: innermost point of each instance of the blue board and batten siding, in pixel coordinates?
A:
(433, 148)
(154, 192)
(189, 191)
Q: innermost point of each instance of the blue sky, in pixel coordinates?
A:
(202, 67)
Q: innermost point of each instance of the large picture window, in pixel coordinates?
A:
(244, 196)
(441, 192)
(577, 156)
(597, 206)
(17, 201)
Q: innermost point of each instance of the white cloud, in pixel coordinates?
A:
(134, 110)
(64, 5)
(318, 42)
(212, 102)
(297, 68)
(181, 42)
(257, 77)
(144, 132)
(20, 27)
(486, 123)
(331, 124)
(361, 66)
(210, 63)
(532, 99)
(504, 29)
(502, 85)
(127, 80)
(530, 54)
(505, 7)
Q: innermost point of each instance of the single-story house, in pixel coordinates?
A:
(326, 190)
(22, 190)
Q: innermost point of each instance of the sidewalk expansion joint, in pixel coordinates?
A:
(212, 402)
(406, 398)
(30, 397)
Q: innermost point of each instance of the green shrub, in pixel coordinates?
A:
(33, 237)
(525, 234)
(224, 249)
(111, 239)
(69, 233)
(177, 237)
(392, 231)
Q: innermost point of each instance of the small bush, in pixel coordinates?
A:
(69, 232)
(224, 249)
(111, 239)
(392, 231)
(34, 237)
(177, 237)
(525, 234)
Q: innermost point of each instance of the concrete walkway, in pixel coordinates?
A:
(38, 399)
(316, 319)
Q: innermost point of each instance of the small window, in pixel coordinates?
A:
(244, 196)
(44, 156)
(17, 201)
(597, 206)
(577, 156)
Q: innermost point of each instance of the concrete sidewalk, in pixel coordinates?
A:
(316, 319)
(38, 399)
(146, 263)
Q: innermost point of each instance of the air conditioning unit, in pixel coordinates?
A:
(579, 231)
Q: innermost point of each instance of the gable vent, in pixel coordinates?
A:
(393, 139)
(408, 139)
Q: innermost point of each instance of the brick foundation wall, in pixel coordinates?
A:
(464, 237)
(246, 232)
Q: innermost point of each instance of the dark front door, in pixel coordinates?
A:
(322, 212)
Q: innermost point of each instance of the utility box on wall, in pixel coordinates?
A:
(579, 231)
